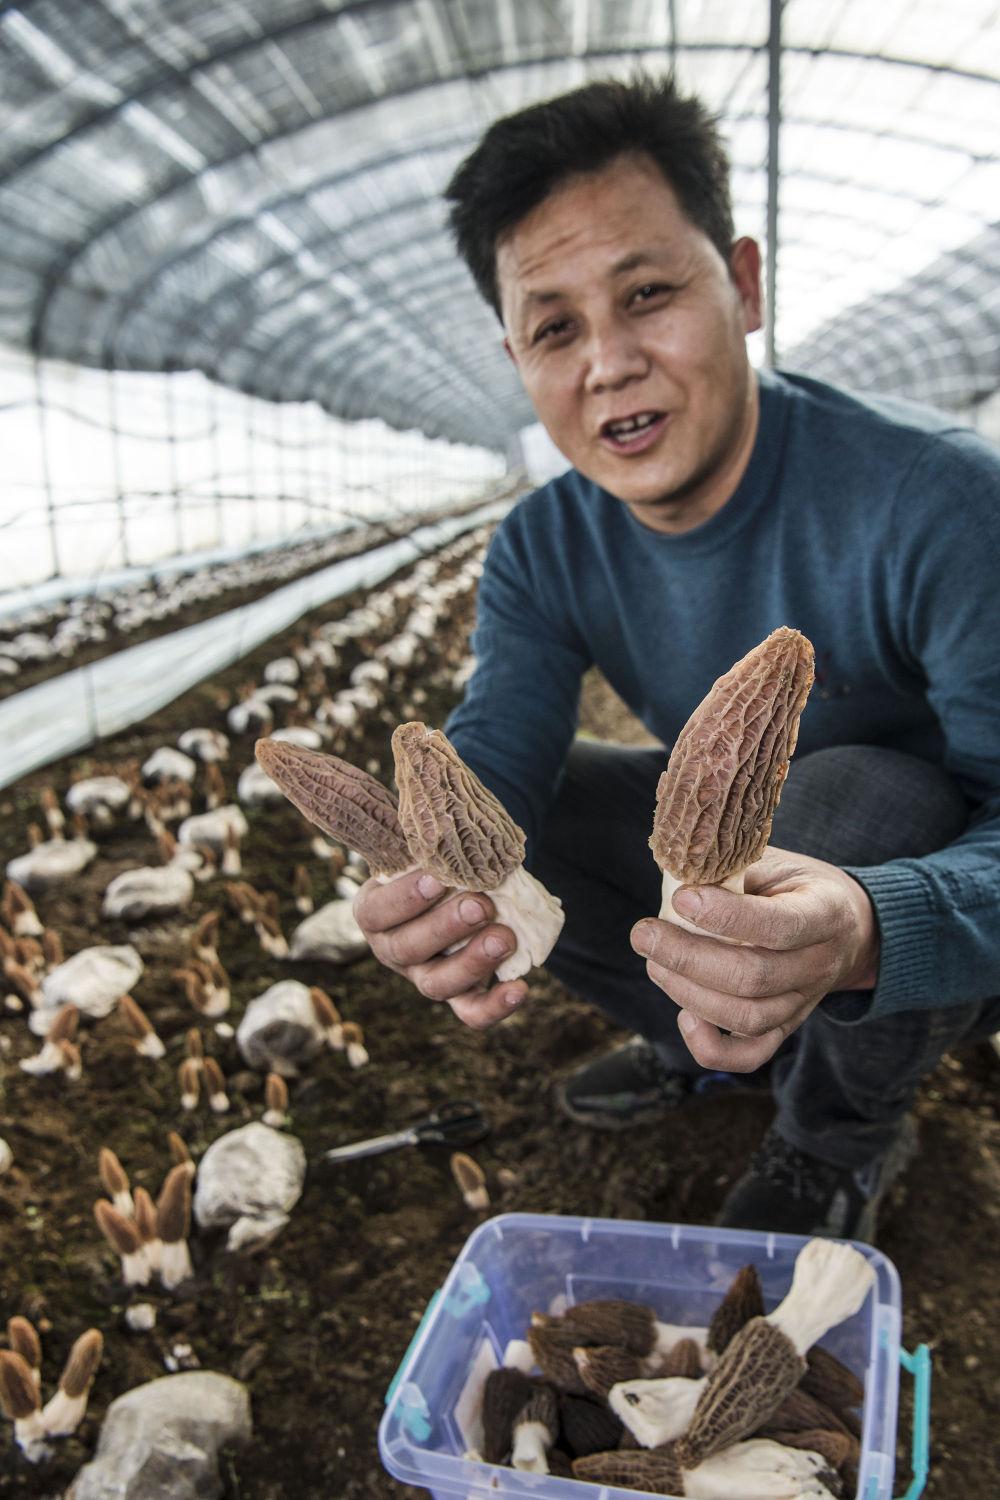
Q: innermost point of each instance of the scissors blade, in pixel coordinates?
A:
(373, 1146)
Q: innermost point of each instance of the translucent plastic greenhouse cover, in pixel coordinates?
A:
(69, 712)
(253, 188)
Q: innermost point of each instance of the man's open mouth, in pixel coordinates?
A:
(632, 432)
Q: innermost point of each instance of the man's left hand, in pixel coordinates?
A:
(760, 962)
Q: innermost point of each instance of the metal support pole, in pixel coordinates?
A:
(773, 140)
(43, 459)
(174, 476)
(116, 461)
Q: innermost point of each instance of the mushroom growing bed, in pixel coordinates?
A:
(315, 1322)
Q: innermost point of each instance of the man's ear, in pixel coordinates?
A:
(509, 351)
(744, 270)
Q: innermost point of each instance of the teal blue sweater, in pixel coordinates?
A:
(874, 528)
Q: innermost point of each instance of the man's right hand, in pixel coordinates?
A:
(413, 920)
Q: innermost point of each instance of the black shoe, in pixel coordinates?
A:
(630, 1086)
(787, 1192)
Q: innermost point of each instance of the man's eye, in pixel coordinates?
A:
(650, 291)
(551, 330)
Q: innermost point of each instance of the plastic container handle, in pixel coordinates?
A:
(919, 1365)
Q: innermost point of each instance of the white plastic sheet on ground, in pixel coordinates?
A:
(46, 722)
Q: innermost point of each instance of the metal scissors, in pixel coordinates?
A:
(459, 1122)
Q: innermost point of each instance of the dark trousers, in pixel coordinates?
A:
(842, 1082)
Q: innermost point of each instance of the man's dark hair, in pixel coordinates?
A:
(524, 156)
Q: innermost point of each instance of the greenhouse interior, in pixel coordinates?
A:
(322, 578)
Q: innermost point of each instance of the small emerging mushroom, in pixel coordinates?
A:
(58, 1053)
(470, 1180)
(144, 1037)
(19, 1401)
(123, 1236)
(189, 1078)
(145, 1222)
(65, 1411)
(716, 799)
(215, 1086)
(114, 1180)
(354, 1043)
(275, 1101)
(173, 1221)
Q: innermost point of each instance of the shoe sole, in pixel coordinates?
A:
(650, 1115)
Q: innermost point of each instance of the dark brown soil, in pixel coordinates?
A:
(317, 1324)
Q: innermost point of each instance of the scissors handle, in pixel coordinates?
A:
(373, 1147)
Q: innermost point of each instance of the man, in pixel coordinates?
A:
(706, 506)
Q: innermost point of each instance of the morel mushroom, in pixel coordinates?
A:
(535, 1430)
(716, 799)
(764, 1361)
(456, 828)
(65, 1411)
(341, 800)
(20, 1402)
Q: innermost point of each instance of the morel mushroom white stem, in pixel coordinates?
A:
(455, 828)
(656, 1411)
(535, 1429)
(65, 1411)
(716, 799)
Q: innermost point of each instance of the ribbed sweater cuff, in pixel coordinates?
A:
(909, 928)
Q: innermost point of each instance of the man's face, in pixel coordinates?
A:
(628, 329)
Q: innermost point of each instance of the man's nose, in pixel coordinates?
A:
(614, 355)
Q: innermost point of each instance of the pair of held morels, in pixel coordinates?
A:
(746, 1406)
(714, 803)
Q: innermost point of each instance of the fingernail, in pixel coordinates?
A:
(512, 999)
(495, 947)
(470, 911)
(642, 939)
(688, 903)
(429, 887)
(686, 1023)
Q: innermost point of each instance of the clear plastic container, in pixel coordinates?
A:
(517, 1264)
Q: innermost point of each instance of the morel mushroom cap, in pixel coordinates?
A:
(587, 1426)
(24, 1340)
(829, 1380)
(19, 1401)
(341, 799)
(454, 827)
(64, 1413)
(743, 1301)
(602, 1322)
(716, 799)
(656, 1472)
(504, 1394)
(759, 1367)
(602, 1367)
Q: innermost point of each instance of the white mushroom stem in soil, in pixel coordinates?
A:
(65, 1411)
